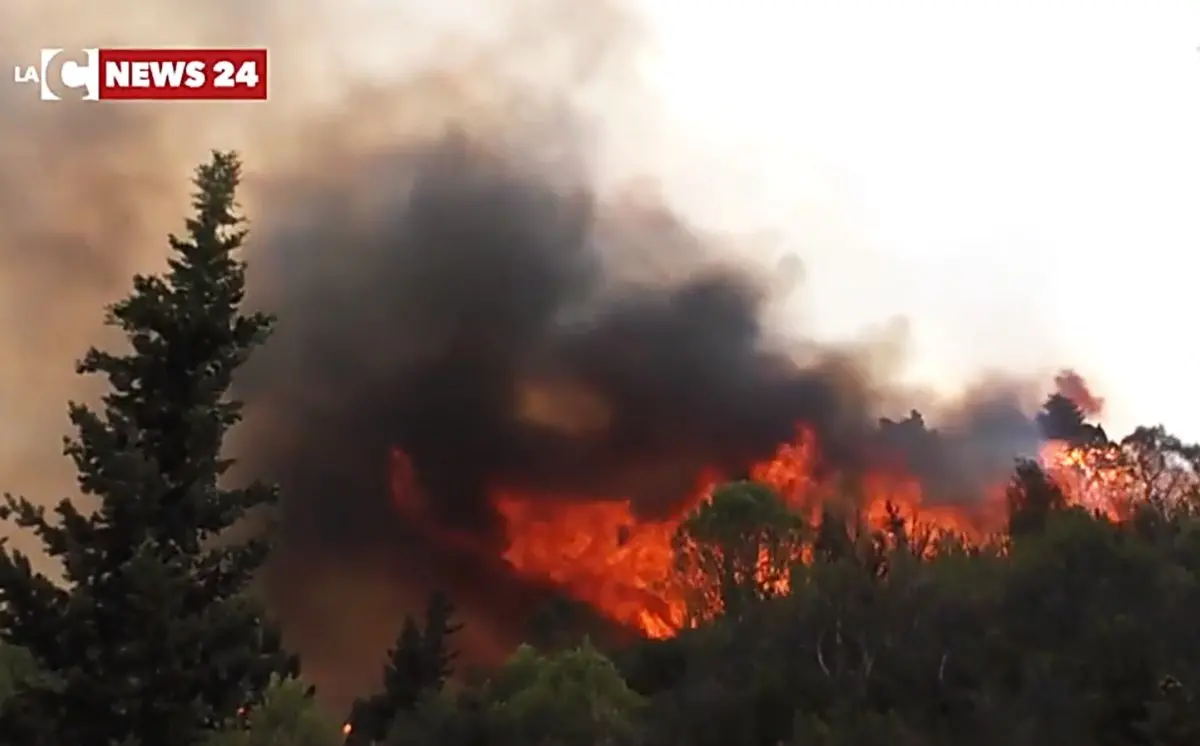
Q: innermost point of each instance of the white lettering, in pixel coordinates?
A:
(224, 71)
(116, 74)
(141, 75)
(247, 74)
(29, 75)
(167, 74)
(195, 74)
(154, 74)
(227, 77)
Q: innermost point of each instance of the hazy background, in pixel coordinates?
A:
(1018, 179)
(1001, 186)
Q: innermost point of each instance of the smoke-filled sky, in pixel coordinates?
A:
(1016, 180)
(1004, 188)
(1019, 179)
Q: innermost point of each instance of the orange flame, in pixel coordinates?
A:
(602, 554)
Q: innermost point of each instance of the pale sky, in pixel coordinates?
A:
(1021, 180)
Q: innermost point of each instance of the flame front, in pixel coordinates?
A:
(600, 553)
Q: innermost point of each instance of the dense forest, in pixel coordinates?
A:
(1069, 624)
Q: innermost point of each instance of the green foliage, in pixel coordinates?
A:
(1073, 631)
(572, 698)
(737, 548)
(16, 667)
(1076, 631)
(847, 727)
(1172, 716)
(441, 719)
(286, 716)
(151, 639)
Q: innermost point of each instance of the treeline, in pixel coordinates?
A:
(1069, 628)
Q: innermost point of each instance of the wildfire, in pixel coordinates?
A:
(602, 554)
(1097, 477)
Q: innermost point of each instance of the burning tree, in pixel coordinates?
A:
(151, 638)
(1032, 497)
(737, 548)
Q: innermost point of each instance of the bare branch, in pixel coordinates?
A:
(821, 655)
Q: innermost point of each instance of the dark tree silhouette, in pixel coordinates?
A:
(151, 639)
(833, 541)
(1063, 419)
(421, 662)
(440, 629)
(1032, 497)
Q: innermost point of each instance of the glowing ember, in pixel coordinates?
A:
(1095, 477)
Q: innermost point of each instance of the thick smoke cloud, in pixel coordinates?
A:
(479, 330)
(494, 316)
(481, 309)
(88, 193)
(453, 278)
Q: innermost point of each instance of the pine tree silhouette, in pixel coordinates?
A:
(421, 662)
(151, 638)
(1062, 419)
(440, 628)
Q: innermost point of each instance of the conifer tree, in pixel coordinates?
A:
(1062, 419)
(151, 638)
(440, 629)
(420, 663)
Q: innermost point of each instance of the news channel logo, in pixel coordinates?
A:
(63, 76)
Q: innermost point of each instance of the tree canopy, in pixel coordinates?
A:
(151, 636)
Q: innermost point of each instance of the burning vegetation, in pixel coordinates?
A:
(514, 389)
(600, 552)
(764, 578)
(494, 378)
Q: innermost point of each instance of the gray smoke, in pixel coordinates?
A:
(452, 280)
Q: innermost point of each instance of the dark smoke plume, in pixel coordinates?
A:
(473, 318)
(88, 193)
(478, 330)
(452, 279)
(467, 303)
